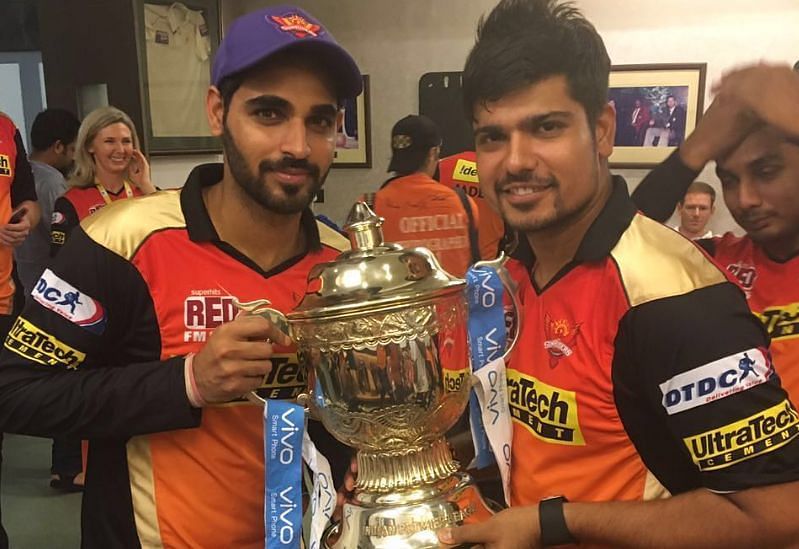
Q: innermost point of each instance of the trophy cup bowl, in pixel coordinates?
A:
(383, 334)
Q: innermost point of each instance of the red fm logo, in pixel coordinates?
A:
(746, 275)
(201, 314)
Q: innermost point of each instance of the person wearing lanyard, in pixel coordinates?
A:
(108, 166)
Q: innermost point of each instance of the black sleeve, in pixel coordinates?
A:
(660, 191)
(23, 187)
(83, 358)
(63, 220)
(699, 397)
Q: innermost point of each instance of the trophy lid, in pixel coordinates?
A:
(374, 274)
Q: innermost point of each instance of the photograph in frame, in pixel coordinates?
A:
(657, 107)
(353, 140)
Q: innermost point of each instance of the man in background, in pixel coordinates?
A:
(695, 209)
(417, 209)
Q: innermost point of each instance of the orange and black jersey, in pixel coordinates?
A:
(75, 205)
(98, 354)
(770, 285)
(641, 372)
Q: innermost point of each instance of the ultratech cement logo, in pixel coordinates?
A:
(454, 379)
(5, 165)
(31, 342)
(548, 412)
(286, 380)
(203, 313)
(781, 322)
(715, 380)
(754, 436)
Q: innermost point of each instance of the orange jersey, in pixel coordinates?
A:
(16, 186)
(640, 373)
(137, 287)
(772, 289)
(419, 211)
(459, 171)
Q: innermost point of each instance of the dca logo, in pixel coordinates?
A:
(716, 380)
(61, 297)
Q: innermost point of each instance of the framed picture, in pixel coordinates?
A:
(176, 42)
(353, 141)
(657, 106)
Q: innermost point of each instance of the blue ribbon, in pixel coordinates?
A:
(284, 423)
(486, 343)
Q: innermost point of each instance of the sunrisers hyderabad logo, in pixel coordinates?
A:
(297, 25)
(561, 339)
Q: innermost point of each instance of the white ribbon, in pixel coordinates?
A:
(323, 499)
(492, 393)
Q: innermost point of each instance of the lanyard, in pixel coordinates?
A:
(104, 193)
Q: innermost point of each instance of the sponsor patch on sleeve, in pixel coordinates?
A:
(748, 438)
(64, 299)
(29, 341)
(58, 237)
(716, 380)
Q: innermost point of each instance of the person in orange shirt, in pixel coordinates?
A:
(459, 171)
(419, 211)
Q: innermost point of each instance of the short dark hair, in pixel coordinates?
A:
(522, 42)
(52, 125)
(700, 187)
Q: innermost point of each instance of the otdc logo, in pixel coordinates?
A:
(748, 438)
(781, 322)
(716, 380)
(548, 412)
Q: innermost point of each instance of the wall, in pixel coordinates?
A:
(396, 42)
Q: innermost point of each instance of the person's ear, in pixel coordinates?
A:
(215, 111)
(58, 147)
(605, 131)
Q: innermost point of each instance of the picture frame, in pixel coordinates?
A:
(175, 43)
(657, 107)
(354, 140)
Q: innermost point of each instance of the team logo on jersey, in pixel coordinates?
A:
(57, 218)
(5, 165)
(297, 25)
(548, 412)
(716, 380)
(29, 341)
(63, 298)
(750, 437)
(746, 275)
(561, 339)
(782, 321)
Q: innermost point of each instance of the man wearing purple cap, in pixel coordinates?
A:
(134, 342)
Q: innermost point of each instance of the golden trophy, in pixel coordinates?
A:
(382, 331)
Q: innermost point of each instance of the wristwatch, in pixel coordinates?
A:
(552, 521)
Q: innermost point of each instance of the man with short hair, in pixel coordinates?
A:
(153, 364)
(418, 210)
(755, 143)
(675, 121)
(53, 141)
(695, 210)
(620, 394)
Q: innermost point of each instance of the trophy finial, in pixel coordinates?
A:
(363, 227)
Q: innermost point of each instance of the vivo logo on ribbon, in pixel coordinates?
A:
(288, 430)
(495, 401)
(287, 507)
(489, 297)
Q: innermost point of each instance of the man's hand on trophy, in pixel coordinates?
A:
(235, 359)
(514, 528)
(346, 490)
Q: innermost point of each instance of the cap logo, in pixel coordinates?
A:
(401, 141)
(297, 25)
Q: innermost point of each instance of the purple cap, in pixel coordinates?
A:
(257, 35)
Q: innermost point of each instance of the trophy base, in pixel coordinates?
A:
(407, 519)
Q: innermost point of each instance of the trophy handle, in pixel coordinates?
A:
(511, 288)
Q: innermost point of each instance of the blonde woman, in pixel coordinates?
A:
(108, 166)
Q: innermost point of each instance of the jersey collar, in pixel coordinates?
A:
(198, 222)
